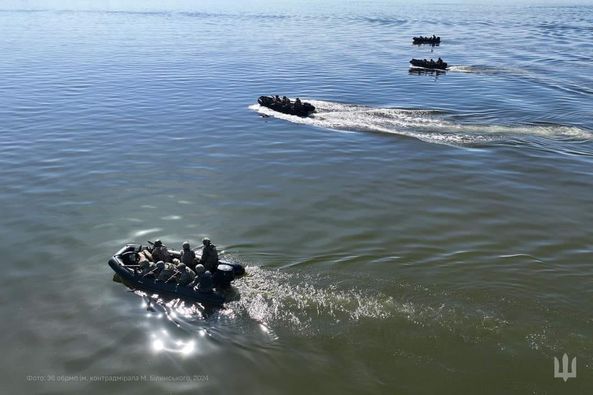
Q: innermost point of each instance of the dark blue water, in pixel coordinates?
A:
(418, 234)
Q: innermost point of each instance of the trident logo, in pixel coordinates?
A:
(565, 374)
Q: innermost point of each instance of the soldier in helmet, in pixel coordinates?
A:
(163, 271)
(209, 255)
(205, 283)
(188, 256)
(200, 269)
(155, 270)
(160, 252)
(146, 267)
(184, 275)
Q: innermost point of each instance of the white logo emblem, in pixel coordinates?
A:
(565, 374)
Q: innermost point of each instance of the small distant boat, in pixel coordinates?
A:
(429, 64)
(286, 106)
(434, 40)
(124, 265)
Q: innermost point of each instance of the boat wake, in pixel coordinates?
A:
(312, 304)
(431, 126)
(484, 69)
(275, 304)
(271, 303)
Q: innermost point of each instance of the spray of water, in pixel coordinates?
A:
(427, 125)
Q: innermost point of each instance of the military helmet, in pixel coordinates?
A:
(205, 241)
(181, 266)
(185, 245)
(200, 269)
(160, 264)
(158, 243)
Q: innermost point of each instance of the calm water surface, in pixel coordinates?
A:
(420, 234)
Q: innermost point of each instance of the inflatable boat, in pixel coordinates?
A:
(286, 106)
(429, 64)
(426, 40)
(124, 264)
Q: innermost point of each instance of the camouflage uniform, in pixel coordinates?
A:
(189, 258)
(146, 267)
(167, 272)
(186, 276)
(161, 254)
(205, 283)
(209, 257)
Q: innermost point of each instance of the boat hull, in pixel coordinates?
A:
(429, 41)
(421, 64)
(121, 264)
(304, 111)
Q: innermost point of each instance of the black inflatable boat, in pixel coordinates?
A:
(124, 264)
(426, 40)
(286, 106)
(429, 64)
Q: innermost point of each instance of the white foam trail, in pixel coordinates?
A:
(426, 125)
(270, 297)
(298, 302)
(483, 69)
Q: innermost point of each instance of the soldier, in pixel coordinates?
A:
(146, 267)
(156, 270)
(188, 256)
(200, 269)
(184, 275)
(209, 255)
(205, 283)
(160, 252)
(166, 270)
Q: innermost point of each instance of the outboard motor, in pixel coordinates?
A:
(223, 276)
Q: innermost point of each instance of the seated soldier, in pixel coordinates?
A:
(205, 283)
(146, 267)
(200, 269)
(209, 255)
(188, 256)
(184, 275)
(166, 270)
(160, 252)
(158, 267)
(298, 104)
(277, 99)
(187, 274)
